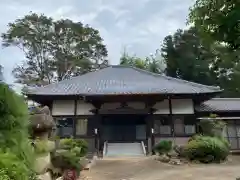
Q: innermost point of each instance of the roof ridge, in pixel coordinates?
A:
(170, 78)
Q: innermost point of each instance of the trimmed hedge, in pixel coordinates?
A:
(207, 149)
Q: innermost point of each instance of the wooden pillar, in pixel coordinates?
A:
(152, 127)
(148, 133)
(149, 126)
(75, 117)
(97, 122)
(195, 118)
(96, 127)
(171, 117)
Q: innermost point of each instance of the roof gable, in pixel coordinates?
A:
(115, 80)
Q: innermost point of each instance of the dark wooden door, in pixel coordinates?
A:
(121, 128)
(128, 133)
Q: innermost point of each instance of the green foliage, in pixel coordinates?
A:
(217, 20)
(14, 133)
(206, 149)
(66, 160)
(77, 146)
(41, 147)
(13, 110)
(212, 127)
(186, 57)
(63, 47)
(210, 146)
(4, 175)
(218, 23)
(154, 63)
(12, 167)
(163, 147)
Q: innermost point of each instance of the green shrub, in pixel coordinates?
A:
(12, 167)
(14, 135)
(163, 147)
(206, 149)
(66, 160)
(4, 175)
(41, 147)
(212, 127)
(79, 146)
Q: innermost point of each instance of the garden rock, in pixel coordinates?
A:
(172, 154)
(46, 176)
(164, 158)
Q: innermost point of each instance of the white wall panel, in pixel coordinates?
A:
(162, 107)
(182, 106)
(63, 107)
(84, 108)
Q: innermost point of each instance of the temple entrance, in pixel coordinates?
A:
(123, 128)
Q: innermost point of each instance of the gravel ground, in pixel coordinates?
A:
(149, 169)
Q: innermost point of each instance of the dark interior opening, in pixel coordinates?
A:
(123, 128)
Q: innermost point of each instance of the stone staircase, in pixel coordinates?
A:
(124, 150)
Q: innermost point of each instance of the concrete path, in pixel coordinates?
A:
(149, 169)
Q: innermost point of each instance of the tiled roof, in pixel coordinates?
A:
(115, 80)
(220, 104)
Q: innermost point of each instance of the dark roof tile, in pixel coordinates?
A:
(123, 80)
(220, 105)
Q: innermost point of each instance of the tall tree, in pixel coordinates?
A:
(54, 50)
(186, 57)
(218, 23)
(217, 20)
(154, 63)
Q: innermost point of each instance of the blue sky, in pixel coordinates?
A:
(139, 26)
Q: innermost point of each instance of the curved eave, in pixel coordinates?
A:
(199, 97)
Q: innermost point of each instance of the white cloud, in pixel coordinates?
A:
(140, 26)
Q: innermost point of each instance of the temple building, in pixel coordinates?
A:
(119, 106)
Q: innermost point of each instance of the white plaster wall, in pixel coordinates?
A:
(162, 107)
(62, 107)
(84, 108)
(182, 106)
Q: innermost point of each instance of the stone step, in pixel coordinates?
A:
(124, 149)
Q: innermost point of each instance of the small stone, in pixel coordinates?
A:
(164, 158)
(172, 154)
(175, 162)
